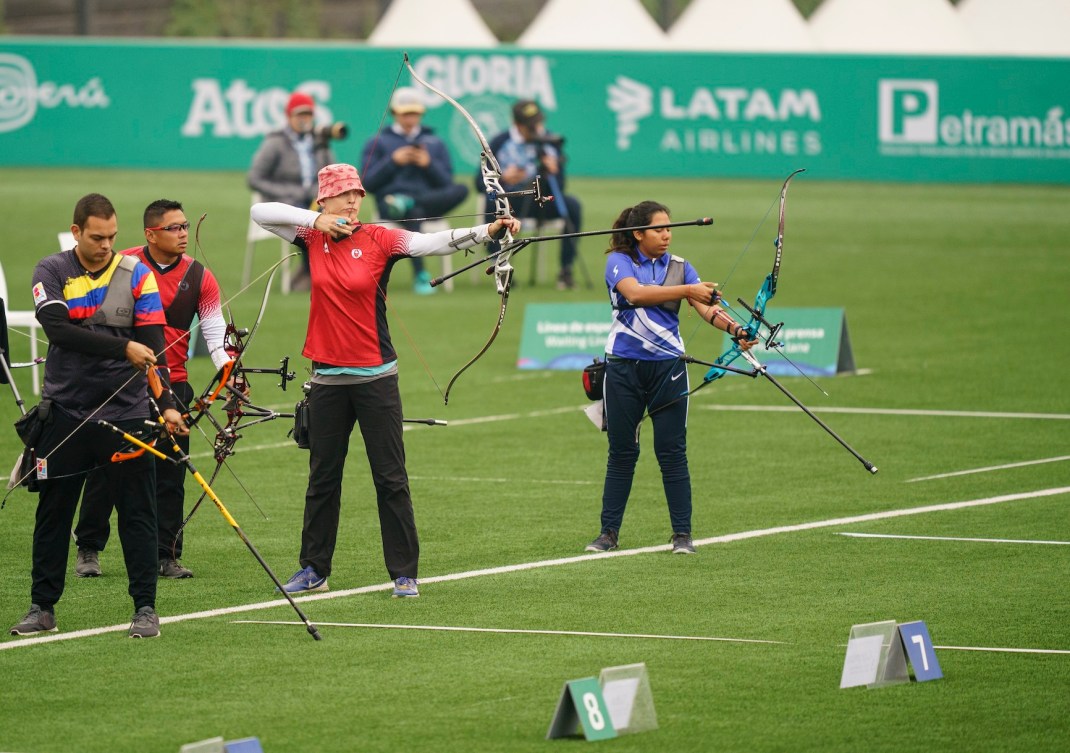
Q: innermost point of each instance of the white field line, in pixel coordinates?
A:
(476, 420)
(450, 628)
(411, 427)
(525, 566)
(986, 469)
(999, 650)
(888, 412)
(950, 538)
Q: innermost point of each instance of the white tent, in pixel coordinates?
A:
(1018, 27)
(925, 27)
(754, 26)
(594, 24)
(432, 23)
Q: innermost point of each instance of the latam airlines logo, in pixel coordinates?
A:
(723, 119)
(21, 94)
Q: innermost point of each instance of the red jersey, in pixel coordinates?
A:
(186, 288)
(347, 314)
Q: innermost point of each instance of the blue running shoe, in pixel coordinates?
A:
(405, 587)
(305, 580)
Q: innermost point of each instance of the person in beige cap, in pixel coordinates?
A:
(285, 165)
(407, 169)
(354, 365)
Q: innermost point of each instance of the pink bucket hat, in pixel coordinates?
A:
(337, 179)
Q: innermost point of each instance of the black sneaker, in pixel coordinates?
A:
(682, 543)
(606, 541)
(37, 620)
(145, 624)
(87, 563)
(171, 568)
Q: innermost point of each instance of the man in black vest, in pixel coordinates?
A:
(101, 312)
(186, 289)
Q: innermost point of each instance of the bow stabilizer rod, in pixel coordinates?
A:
(183, 459)
(521, 243)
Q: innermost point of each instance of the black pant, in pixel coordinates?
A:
(131, 487)
(333, 410)
(632, 388)
(93, 519)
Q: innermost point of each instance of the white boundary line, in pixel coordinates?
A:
(450, 628)
(985, 648)
(986, 469)
(888, 412)
(949, 538)
(501, 570)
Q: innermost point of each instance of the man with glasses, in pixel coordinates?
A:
(102, 314)
(187, 289)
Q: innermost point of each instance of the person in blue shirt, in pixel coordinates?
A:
(407, 169)
(644, 372)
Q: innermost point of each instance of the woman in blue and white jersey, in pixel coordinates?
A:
(644, 373)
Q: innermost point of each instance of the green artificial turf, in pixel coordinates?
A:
(955, 299)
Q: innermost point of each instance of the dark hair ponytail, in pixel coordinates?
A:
(636, 216)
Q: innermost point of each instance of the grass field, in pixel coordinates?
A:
(956, 301)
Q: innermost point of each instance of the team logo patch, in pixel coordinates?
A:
(39, 294)
(356, 253)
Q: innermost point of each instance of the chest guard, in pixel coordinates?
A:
(184, 305)
(674, 275)
(117, 310)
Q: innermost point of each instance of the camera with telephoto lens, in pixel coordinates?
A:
(331, 131)
(550, 139)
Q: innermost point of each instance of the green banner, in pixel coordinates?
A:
(161, 104)
(565, 336)
(813, 341)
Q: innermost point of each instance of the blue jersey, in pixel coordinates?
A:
(645, 333)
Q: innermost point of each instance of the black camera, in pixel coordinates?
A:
(550, 139)
(331, 131)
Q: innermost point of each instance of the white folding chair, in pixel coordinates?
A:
(25, 319)
(253, 235)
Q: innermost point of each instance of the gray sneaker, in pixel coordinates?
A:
(145, 624)
(682, 543)
(87, 565)
(606, 541)
(171, 568)
(37, 620)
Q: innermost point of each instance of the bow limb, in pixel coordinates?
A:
(491, 172)
(753, 327)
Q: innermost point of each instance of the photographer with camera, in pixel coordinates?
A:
(408, 170)
(284, 168)
(527, 149)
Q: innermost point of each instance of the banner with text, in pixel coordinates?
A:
(564, 336)
(206, 106)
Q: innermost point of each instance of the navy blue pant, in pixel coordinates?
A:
(131, 488)
(633, 388)
(333, 411)
(94, 526)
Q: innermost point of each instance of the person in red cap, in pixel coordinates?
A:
(354, 365)
(284, 167)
